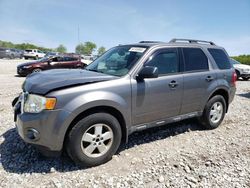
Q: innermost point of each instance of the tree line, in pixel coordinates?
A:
(86, 48)
(245, 59)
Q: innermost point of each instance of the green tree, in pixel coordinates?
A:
(101, 50)
(85, 49)
(80, 48)
(245, 59)
(89, 47)
(61, 49)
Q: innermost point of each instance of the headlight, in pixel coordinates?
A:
(36, 103)
(246, 70)
(26, 67)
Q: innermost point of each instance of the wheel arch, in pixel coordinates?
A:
(106, 109)
(224, 93)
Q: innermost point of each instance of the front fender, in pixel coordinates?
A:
(94, 99)
(90, 100)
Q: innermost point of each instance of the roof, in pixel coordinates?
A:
(178, 42)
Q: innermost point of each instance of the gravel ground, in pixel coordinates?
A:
(177, 155)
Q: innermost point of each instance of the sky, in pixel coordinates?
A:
(108, 23)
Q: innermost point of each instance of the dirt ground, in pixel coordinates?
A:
(175, 155)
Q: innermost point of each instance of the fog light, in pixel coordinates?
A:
(33, 134)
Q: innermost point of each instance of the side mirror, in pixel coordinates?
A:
(148, 72)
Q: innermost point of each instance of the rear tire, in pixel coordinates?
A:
(214, 112)
(94, 140)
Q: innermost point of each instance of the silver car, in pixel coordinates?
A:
(129, 88)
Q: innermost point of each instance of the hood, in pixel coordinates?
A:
(241, 66)
(44, 82)
(28, 63)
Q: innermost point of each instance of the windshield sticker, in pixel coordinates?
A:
(137, 49)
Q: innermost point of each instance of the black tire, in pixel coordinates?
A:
(36, 70)
(245, 78)
(238, 74)
(74, 139)
(25, 57)
(205, 119)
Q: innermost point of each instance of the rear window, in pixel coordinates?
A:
(195, 59)
(220, 58)
(28, 50)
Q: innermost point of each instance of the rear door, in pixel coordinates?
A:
(68, 62)
(198, 79)
(158, 98)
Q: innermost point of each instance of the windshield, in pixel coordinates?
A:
(118, 60)
(234, 61)
(44, 59)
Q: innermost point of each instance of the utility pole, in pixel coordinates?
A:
(78, 34)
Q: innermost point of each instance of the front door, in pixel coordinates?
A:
(158, 98)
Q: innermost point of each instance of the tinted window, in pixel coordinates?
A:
(166, 62)
(220, 58)
(69, 59)
(195, 59)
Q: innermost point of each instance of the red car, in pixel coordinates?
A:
(53, 62)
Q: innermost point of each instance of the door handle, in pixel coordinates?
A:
(209, 78)
(173, 84)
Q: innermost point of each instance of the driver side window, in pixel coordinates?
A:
(54, 59)
(166, 62)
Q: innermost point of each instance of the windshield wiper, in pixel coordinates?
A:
(94, 70)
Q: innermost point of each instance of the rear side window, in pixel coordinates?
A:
(195, 59)
(69, 59)
(220, 58)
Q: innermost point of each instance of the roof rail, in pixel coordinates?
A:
(191, 41)
(145, 41)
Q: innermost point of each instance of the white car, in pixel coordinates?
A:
(242, 70)
(33, 53)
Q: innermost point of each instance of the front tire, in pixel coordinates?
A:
(245, 78)
(37, 70)
(214, 112)
(94, 140)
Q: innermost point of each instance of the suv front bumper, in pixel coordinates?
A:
(42, 129)
(245, 75)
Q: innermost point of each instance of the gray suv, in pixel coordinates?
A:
(90, 112)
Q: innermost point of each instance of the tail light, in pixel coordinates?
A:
(234, 78)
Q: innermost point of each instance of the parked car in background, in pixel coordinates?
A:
(129, 88)
(86, 59)
(242, 71)
(10, 53)
(51, 62)
(48, 54)
(33, 54)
